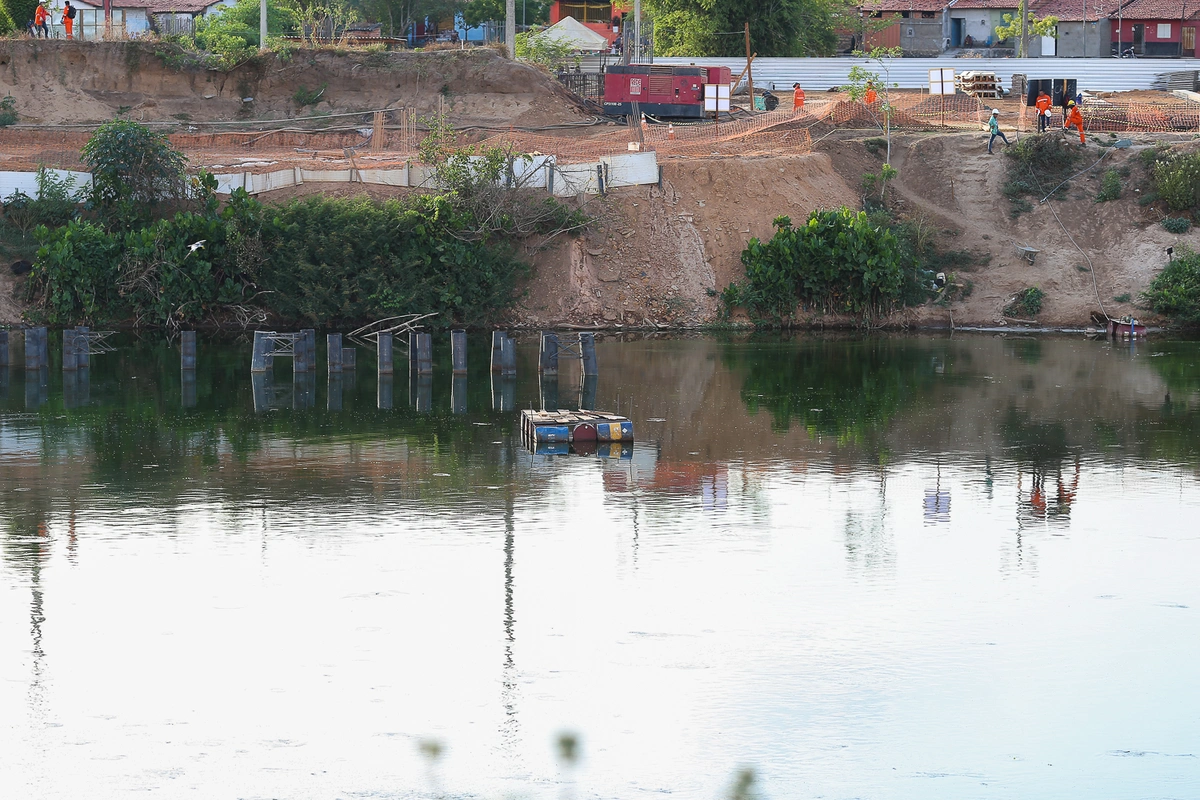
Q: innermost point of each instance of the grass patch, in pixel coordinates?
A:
(1110, 187)
(1177, 224)
(308, 97)
(1148, 198)
(1122, 298)
(875, 144)
(1026, 303)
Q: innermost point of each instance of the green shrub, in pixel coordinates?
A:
(1175, 292)
(136, 174)
(1178, 181)
(875, 144)
(8, 111)
(1151, 156)
(1148, 198)
(14, 14)
(1122, 298)
(1036, 164)
(56, 202)
(1177, 224)
(308, 97)
(837, 261)
(1110, 187)
(1026, 303)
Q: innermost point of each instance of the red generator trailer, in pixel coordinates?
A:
(659, 91)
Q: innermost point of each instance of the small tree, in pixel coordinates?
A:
(1022, 25)
(136, 174)
(543, 48)
(863, 80)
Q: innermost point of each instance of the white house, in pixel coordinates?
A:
(135, 17)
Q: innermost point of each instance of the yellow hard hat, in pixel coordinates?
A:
(1070, 103)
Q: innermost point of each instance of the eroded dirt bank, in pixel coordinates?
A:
(661, 254)
(56, 82)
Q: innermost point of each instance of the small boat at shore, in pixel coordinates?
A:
(1125, 328)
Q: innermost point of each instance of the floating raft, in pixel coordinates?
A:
(562, 427)
(1125, 328)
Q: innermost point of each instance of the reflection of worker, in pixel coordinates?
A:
(1074, 118)
(1042, 104)
(870, 97)
(797, 98)
(994, 129)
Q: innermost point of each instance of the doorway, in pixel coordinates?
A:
(956, 32)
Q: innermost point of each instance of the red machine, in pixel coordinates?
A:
(660, 91)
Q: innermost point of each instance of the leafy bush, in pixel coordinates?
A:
(232, 33)
(1178, 181)
(8, 111)
(542, 48)
(1151, 156)
(353, 260)
(1177, 224)
(319, 260)
(1026, 303)
(1110, 187)
(1175, 292)
(1148, 198)
(136, 175)
(837, 261)
(56, 203)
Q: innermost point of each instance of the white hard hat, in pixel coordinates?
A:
(995, 111)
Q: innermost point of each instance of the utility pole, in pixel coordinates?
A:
(637, 31)
(510, 27)
(262, 25)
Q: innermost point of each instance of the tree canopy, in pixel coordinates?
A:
(715, 27)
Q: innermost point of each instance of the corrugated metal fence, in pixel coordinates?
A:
(819, 74)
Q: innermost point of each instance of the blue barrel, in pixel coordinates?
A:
(551, 433)
(604, 431)
(626, 431)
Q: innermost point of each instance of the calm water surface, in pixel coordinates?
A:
(876, 568)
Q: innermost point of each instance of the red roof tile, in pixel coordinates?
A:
(1073, 10)
(1160, 9)
(997, 5)
(904, 5)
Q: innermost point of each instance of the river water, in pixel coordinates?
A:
(911, 567)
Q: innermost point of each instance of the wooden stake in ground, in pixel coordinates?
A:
(749, 69)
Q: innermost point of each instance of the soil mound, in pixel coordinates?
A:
(56, 82)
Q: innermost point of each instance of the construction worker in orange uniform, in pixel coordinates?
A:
(1042, 104)
(68, 18)
(1074, 118)
(870, 97)
(797, 98)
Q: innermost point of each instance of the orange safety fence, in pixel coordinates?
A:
(1124, 117)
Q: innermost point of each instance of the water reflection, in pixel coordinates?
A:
(827, 557)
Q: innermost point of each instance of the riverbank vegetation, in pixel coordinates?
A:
(1175, 292)
(838, 262)
(147, 245)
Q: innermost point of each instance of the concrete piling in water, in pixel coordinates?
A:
(420, 388)
(498, 338)
(587, 392)
(334, 401)
(458, 351)
(70, 360)
(83, 348)
(504, 393)
(333, 354)
(587, 353)
(349, 359)
(548, 390)
(548, 355)
(412, 351)
(383, 356)
(385, 391)
(36, 348)
(187, 388)
(300, 362)
(187, 350)
(458, 394)
(3, 348)
(258, 356)
(308, 336)
(508, 357)
(304, 389)
(424, 354)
